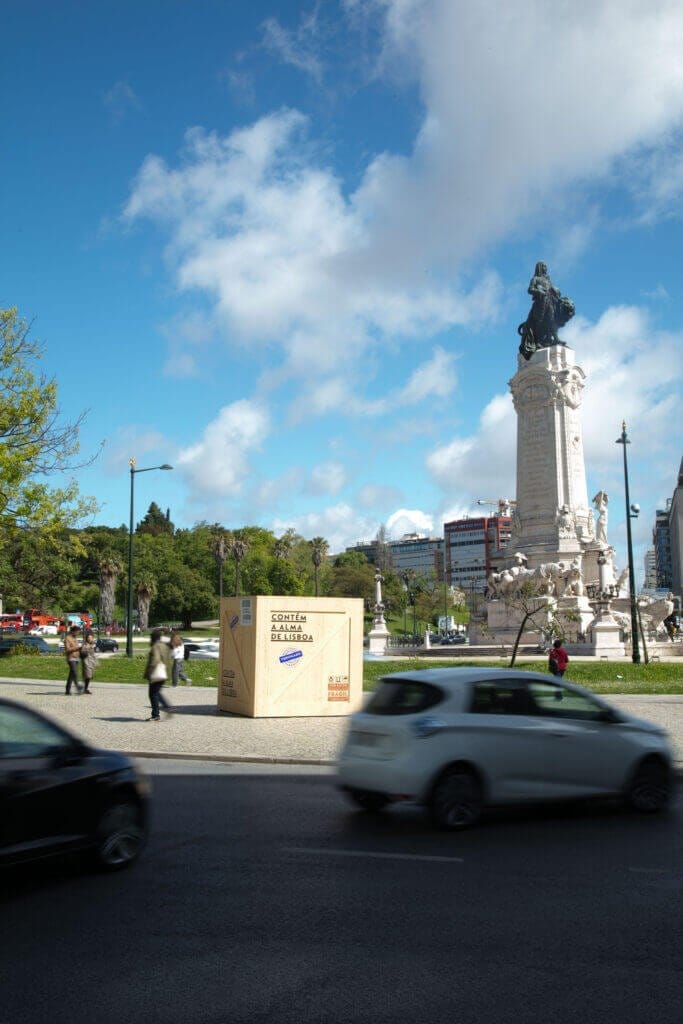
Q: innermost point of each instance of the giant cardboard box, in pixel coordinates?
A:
(291, 656)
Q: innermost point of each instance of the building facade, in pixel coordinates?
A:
(676, 536)
(471, 546)
(661, 541)
(650, 581)
(412, 551)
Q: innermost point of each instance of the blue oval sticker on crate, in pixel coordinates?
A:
(289, 656)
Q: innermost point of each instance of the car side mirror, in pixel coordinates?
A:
(608, 716)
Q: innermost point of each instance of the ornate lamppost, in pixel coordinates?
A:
(129, 604)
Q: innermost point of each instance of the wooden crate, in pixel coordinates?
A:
(291, 656)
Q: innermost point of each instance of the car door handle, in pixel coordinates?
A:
(560, 735)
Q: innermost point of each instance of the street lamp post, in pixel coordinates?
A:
(129, 608)
(631, 513)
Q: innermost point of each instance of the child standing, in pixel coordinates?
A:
(177, 654)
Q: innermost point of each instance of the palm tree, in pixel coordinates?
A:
(145, 590)
(319, 548)
(219, 553)
(237, 548)
(109, 569)
(282, 548)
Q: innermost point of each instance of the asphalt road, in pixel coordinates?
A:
(263, 898)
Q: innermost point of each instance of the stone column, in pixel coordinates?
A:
(553, 519)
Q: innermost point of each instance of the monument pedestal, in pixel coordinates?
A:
(604, 638)
(378, 638)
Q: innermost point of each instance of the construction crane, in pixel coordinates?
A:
(503, 506)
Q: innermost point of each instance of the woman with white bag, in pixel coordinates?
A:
(157, 672)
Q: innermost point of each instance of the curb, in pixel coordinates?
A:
(231, 759)
(256, 759)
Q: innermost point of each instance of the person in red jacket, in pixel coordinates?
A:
(558, 659)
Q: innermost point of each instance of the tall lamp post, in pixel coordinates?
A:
(631, 513)
(129, 607)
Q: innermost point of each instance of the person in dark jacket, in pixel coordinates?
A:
(157, 671)
(558, 659)
(72, 650)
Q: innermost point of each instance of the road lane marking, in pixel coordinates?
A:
(377, 855)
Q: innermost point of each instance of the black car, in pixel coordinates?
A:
(58, 795)
(106, 643)
(7, 643)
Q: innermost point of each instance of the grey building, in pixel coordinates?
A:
(650, 581)
(411, 551)
(676, 536)
(662, 544)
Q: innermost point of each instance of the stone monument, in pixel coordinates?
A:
(378, 637)
(553, 546)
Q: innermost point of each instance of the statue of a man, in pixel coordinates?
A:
(549, 311)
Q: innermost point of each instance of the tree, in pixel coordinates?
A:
(382, 551)
(319, 549)
(155, 522)
(34, 442)
(219, 553)
(145, 591)
(237, 548)
(536, 608)
(110, 569)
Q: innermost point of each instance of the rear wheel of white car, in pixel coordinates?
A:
(650, 787)
(367, 800)
(457, 800)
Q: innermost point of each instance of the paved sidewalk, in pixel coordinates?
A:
(115, 717)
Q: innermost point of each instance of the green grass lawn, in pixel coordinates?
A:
(599, 676)
(115, 669)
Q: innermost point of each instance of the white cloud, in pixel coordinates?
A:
(134, 441)
(121, 100)
(340, 524)
(327, 478)
(298, 47)
(218, 464)
(373, 496)
(287, 256)
(406, 520)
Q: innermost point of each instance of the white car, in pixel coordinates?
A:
(206, 650)
(459, 739)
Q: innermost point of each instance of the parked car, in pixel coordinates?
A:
(9, 643)
(208, 650)
(456, 638)
(460, 739)
(106, 643)
(44, 631)
(59, 795)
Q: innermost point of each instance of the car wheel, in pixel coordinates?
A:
(457, 800)
(121, 836)
(367, 800)
(650, 787)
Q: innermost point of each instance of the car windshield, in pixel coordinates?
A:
(403, 697)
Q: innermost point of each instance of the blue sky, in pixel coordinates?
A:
(285, 247)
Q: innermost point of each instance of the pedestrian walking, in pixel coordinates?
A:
(156, 673)
(72, 650)
(558, 659)
(88, 661)
(178, 654)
